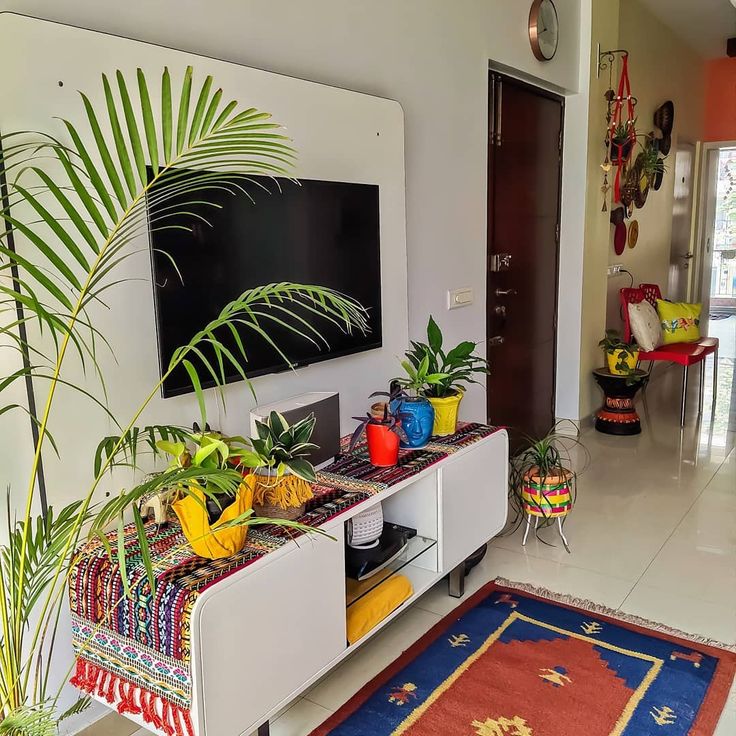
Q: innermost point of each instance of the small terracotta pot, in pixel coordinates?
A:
(383, 445)
(377, 409)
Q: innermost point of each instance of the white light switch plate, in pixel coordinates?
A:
(460, 298)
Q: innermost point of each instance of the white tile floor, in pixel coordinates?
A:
(653, 534)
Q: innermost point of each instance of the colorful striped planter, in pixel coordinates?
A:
(548, 497)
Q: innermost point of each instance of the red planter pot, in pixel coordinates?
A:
(383, 445)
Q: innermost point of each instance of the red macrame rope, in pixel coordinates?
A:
(624, 93)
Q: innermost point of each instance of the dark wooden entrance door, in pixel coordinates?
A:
(524, 166)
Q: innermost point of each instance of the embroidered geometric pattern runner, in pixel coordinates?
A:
(512, 664)
(135, 651)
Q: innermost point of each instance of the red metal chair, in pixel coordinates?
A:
(683, 353)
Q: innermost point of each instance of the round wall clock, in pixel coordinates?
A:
(544, 29)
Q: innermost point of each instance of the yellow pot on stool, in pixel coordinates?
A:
(445, 413)
(630, 359)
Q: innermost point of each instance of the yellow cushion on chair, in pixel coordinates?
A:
(680, 321)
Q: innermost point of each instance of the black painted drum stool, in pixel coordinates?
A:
(618, 415)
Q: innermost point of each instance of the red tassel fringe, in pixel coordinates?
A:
(130, 698)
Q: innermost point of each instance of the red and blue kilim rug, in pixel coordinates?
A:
(511, 663)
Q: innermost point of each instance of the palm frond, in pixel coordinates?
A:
(148, 155)
(38, 720)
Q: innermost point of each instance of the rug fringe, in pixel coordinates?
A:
(592, 607)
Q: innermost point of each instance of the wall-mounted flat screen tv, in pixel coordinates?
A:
(312, 232)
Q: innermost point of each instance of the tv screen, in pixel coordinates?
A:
(313, 232)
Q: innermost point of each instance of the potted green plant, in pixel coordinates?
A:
(208, 506)
(412, 403)
(282, 473)
(543, 481)
(652, 166)
(621, 356)
(622, 140)
(452, 371)
(383, 433)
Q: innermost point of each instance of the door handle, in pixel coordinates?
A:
(496, 340)
(688, 256)
(506, 292)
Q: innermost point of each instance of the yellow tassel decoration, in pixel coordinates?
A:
(285, 492)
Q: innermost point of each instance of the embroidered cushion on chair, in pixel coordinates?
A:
(645, 325)
(680, 321)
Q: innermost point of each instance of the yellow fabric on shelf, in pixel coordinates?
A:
(375, 605)
(680, 321)
(208, 541)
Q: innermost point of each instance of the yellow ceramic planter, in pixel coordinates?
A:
(445, 414)
(630, 359)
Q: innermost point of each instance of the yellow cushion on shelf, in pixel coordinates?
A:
(375, 605)
(680, 321)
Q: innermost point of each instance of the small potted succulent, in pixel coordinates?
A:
(622, 139)
(209, 504)
(652, 165)
(282, 474)
(621, 356)
(452, 370)
(383, 432)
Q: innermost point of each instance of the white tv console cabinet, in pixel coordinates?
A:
(263, 635)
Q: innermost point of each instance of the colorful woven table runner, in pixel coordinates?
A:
(134, 652)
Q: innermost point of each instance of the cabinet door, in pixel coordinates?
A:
(266, 633)
(474, 501)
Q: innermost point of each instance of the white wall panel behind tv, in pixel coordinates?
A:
(340, 135)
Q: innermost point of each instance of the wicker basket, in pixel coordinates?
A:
(272, 511)
(282, 497)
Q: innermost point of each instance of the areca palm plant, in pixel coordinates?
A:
(72, 207)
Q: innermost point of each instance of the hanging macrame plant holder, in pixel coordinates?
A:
(621, 149)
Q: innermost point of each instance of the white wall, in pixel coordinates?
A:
(432, 57)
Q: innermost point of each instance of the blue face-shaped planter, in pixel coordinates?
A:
(417, 420)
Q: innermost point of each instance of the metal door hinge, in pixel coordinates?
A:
(557, 233)
(499, 112)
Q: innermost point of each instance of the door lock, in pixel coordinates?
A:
(500, 310)
(501, 262)
(496, 340)
(505, 292)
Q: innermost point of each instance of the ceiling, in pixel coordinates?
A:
(704, 24)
